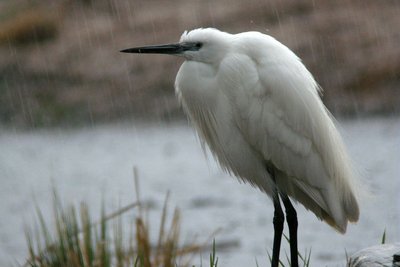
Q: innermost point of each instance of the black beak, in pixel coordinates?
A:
(172, 49)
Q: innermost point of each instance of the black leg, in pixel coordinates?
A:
(291, 218)
(278, 229)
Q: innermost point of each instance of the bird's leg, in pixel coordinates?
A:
(278, 229)
(291, 219)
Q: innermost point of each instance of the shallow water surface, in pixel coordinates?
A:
(92, 163)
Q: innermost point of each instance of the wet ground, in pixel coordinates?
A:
(91, 163)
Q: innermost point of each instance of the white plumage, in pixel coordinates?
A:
(254, 103)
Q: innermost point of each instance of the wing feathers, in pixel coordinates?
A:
(290, 127)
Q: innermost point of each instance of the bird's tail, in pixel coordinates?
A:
(335, 207)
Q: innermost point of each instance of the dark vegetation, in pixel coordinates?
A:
(78, 241)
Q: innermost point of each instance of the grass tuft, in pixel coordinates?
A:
(213, 258)
(78, 242)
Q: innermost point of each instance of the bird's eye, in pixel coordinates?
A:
(198, 45)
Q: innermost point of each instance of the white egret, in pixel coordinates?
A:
(257, 107)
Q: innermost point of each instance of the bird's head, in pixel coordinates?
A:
(204, 45)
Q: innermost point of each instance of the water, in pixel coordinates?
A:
(89, 164)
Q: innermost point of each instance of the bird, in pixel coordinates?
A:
(259, 110)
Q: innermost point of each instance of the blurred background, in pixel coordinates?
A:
(60, 61)
(76, 112)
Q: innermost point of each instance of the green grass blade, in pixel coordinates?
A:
(383, 240)
(213, 258)
(87, 235)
